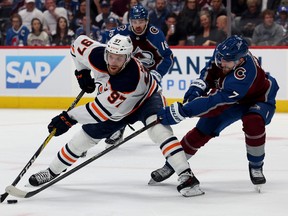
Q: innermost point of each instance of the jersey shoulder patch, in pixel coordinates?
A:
(153, 30)
(240, 73)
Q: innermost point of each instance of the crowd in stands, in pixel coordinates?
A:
(184, 22)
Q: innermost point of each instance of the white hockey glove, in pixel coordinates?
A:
(196, 89)
(157, 76)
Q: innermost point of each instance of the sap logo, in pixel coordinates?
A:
(29, 71)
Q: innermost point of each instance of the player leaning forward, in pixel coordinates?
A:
(129, 94)
(232, 87)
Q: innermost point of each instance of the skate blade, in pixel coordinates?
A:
(192, 191)
(258, 188)
(28, 185)
(109, 145)
(152, 182)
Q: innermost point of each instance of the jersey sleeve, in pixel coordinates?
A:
(234, 88)
(157, 38)
(81, 49)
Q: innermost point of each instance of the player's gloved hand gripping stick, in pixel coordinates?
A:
(40, 149)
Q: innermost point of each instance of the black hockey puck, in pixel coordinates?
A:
(12, 201)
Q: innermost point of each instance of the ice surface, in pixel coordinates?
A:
(116, 184)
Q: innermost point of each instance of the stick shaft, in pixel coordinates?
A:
(40, 149)
(64, 175)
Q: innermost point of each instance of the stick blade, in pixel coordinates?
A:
(12, 190)
(3, 197)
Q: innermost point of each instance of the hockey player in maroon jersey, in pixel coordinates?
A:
(232, 87)
(129, 94)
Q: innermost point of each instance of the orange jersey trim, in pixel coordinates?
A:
(170, 147)
(98, 112)
(66, 156)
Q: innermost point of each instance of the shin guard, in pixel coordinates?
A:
(194, 140)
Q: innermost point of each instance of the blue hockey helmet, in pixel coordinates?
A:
(231, 49)
(138, 12)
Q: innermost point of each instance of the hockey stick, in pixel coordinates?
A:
(12, 190)
(40, 149)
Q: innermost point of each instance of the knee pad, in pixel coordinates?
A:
(194, 140)
(158, 133)
(254, 129)
(81, 142)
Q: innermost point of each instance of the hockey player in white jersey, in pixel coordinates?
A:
(129, 93)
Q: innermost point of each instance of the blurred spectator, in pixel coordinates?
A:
(149, 5)
(106, 12)
(70, 5)
(125, 19)
(158, 15)
(109, 24)
(189, 20)
(238, 7)
(221, 24)
(175, 6)
(175, 36)
(17, 6)
(119, 7)
(282, 18)
(64, 36)
(52, 14)
(208, 36)
(37, 36)
(5, 11)
(4, 3)
(203, 4)
(18, 33)
(250, 18)
(268, 33)
(39, 4)
(95, 32)
(273, 4)
(95, 8)
(77, 19)
(5, 8)
(30, 12)
(216, 9)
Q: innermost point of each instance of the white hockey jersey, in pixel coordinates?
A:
(120, 94)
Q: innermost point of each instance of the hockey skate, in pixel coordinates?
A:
(257, 177)
(115, 138)
(189, 185)
(42, 177)
(161, 174)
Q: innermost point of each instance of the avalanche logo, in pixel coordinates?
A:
(29, 72)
